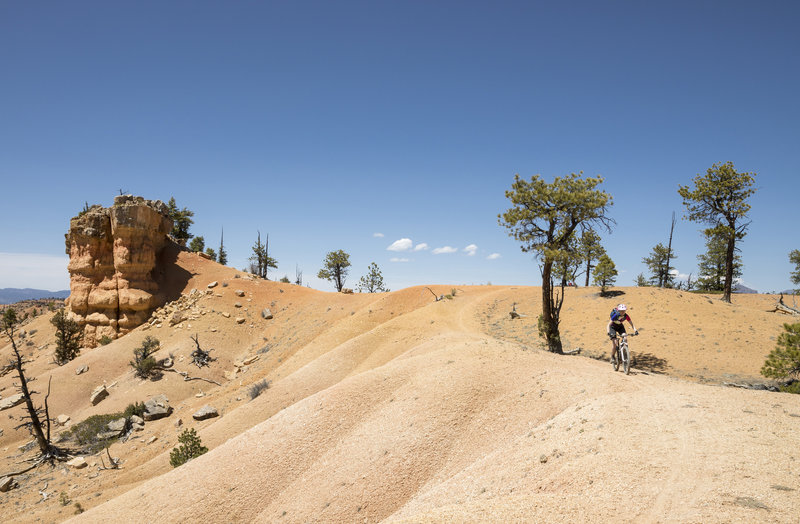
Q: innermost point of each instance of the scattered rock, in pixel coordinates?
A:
(347, 291)
(157, 407)
(226, 314)
(205, 412)
(118, 425)
(151, 439)
(6, 483)
(99, 393)
(62, 420)
(179, 423)
(241, 320)
(238, 304)
(12, 401)
(137, 423)
(239, 293)
(168, 362)
(81, 370)
(266, 314)
(77, 463)
(213, 285)
(199, 395)
(177, 318)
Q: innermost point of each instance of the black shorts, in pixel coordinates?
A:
(615, 329)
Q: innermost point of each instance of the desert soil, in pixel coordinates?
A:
(395, 407)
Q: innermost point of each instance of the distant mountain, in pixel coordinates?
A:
(740, 288)
(9, 295)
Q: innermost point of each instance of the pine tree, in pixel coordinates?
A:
(590, 250)
(784, 361)
(659, 264)
(261, 261)
(182, 221)
(68, 337)
(543, 218)
(197, 245)
(719, 199)
(605, 273)
(335, 268)
(794, 258)
(711, 264)
(372, 282)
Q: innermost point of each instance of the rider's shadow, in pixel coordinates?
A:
(649, 362)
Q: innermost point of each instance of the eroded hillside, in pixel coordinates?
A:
(398, 407)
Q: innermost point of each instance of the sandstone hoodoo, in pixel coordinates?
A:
(113, 254)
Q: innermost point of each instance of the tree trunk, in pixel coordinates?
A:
(588, 270)
(726, 293)
(548, 312)
(36, 425)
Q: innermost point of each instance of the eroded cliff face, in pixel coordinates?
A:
(113, 256)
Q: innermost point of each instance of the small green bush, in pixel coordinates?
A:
(190, 448)
(137, 408)
(143, 363)
(794, 387)
(85, 433)
(783, 362)
(105, 340)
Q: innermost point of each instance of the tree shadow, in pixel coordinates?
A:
(611, 294)
(649, 362)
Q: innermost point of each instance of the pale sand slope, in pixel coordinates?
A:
(394, 407)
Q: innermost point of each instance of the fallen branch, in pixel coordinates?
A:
(187, 378)
(113, 462)
(437, 297)
(780, 307)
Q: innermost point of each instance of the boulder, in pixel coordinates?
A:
(81, 370)
(99, 393)
(266, 314)
(213, 284)
(12, 401)
(118, 425)
(62, 420)
(241, 320)
(77, 463)
(6, 483)
(239, 293)
(205, 412)
(157, 407)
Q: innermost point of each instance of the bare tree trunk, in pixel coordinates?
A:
(550, 310)
(669, 250)
(726, 292)
(36, 425)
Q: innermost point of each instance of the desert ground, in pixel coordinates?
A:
(395, 407)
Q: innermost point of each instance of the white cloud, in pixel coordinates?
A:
(395, 259)
(36, 271)
(471, 250)
(444, 250)
(493, 256)
(421, 247)
(404, 244)
(377, 235)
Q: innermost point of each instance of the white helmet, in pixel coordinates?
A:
(622, 307)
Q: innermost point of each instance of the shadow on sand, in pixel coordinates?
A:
(611, 294)
(649, 362)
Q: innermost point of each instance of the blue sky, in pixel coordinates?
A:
(355, 125)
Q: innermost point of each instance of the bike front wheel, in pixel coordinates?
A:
(626, 360)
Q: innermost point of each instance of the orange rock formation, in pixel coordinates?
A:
(113, 254)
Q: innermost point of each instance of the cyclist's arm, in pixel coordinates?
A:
(630, 321)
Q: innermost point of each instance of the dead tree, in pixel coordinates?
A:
(201, 357)
(780, 307)
(48, 452)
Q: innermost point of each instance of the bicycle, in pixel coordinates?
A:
(623, 353)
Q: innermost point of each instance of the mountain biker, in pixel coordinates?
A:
(615, 326)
